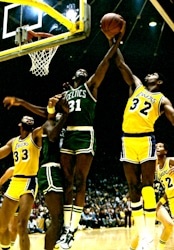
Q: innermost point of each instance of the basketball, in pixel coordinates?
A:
(111, 24)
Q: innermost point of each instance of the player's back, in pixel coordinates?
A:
(49, 151)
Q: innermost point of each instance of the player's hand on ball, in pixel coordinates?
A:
(112, 24)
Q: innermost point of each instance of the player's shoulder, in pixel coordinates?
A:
(37, 132)
(12, 140)
(171, 161)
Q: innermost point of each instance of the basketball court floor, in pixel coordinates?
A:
(99, 239)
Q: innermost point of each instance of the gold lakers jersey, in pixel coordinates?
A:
(166, 180)
(26, 156)
(142, 110)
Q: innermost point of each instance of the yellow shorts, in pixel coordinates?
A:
(19, 186)
(138, 149)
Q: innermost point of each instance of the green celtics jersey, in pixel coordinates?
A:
(49, 151)
(82, 106)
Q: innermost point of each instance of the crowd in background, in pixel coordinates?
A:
(107, 204)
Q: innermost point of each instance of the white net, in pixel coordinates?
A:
(41, 60)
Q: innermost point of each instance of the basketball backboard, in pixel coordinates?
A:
(166, 10)
(67, 20)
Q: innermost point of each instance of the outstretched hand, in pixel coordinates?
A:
(60, 103)
(117, 38)
(53, 100)
(10, 101)
(120, 35)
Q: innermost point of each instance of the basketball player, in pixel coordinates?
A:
(79, 143)
(23, 186)
(50, 175)
(164, 174)
(78, 146)
(143, 108)
(50, 180)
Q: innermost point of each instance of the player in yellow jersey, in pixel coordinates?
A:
(165, 174)
(23, 186)
(144, 106)
(50, 176)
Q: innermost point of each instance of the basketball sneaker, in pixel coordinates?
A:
(146, 244)
(62, 238)
(67, 244)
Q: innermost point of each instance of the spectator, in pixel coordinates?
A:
(87, 218)
(128, 212)
(32, 226)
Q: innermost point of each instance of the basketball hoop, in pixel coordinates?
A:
(41, 60)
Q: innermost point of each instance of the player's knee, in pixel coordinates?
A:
(3, 228)
(80, 183)
(22, 226)
(169, 227)
(134, 192)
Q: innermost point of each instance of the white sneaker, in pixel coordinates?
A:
(146, 244)
(67, 244)
(62, 239)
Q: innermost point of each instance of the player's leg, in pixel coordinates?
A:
(25, 203)
(6, 212)
(54, 201)
(167, 222)
(83, 164)
(13, 228)
(68, 167)
(50, 180)
(82, 167)
(134, 242)
(132, 174)
(148, 194)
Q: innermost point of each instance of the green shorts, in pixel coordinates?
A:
(78, 142)
(50, 178)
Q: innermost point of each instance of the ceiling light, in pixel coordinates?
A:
(152, 23)
(71, 12)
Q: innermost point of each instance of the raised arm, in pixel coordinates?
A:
(126, 72)
(10, 101)
(96, 79)
(168, 109)
(53, 128)
(50, 127)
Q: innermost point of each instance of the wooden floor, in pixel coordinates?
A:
(98, 239)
